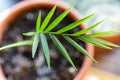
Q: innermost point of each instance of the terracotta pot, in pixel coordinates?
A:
(18, 9)
(2, 77)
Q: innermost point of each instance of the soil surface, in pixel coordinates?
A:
(18, 64)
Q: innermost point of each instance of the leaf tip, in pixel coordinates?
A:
(93, 14)
(117, 46)
(109, 48)
(95, 61)
(74, 4)
(76, 69)
(33, 56)
(101, 21)
(24, 34)
(39, 12)
(49, 66)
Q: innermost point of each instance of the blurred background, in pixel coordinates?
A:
(108, 66)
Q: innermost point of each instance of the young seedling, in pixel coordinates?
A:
(43, 29)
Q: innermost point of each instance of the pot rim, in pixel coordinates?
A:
(2, 77)
(30, 4)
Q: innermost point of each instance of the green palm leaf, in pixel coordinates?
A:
(78, 47)
(22, 43)
(86, 30)
(58, 20)
(45, 48)
(35, 44)
(74, 24)
(62, 49)
(38, 22)
(105, 42)
(47, 19)
(93, 41)
(29, 34)
(102, 33)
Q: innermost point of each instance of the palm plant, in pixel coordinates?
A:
(43, 29)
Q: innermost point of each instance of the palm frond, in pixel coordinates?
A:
(18, 44)
(101, 33)
(104, 42)
(45, 48)
(79, 48)
(35, 44)
(38, 22)
(74, 24)
(86, 30)
(62, 49)
(58, 20)
(93, 41)
(29, 34)
(47, 19)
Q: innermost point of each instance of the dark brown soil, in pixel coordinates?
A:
(18, 64)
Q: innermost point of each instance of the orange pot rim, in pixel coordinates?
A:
(19, 8)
